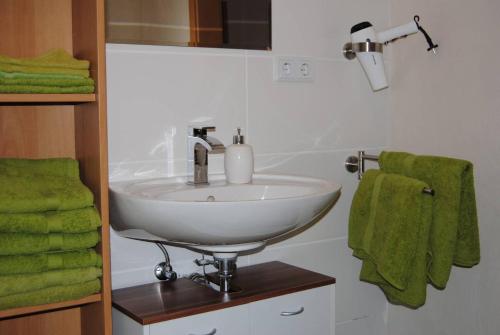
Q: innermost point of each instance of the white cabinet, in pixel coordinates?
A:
(228, 321)
(309, 312)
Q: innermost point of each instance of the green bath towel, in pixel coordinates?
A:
(23, 89)
(360, 212)
(56, 167)
(74, 221)
(56, 58)
(55, 61)
(43, 70)
(27, 282)
(42, 76)
(23, 244)
(51, 295)
(35, 263)
(454, 232)
(388, 229)
(46, 82)
(42, 194)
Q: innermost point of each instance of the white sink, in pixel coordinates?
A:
(220, 217)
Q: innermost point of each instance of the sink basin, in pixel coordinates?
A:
(220, 217)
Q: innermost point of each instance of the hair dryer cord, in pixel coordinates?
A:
(432, 46)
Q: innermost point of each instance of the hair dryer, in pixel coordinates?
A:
(367, 45)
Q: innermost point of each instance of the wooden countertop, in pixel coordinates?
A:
(160, 301)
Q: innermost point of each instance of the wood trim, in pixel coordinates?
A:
(157, 302)
(91, 147)
(205, 23)
(193, 23)
(13, 312)
(46, 98)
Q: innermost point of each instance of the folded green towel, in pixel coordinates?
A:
(57, 167)
(43, 70)
(388, 229)
(41, 194)
(55, 61)
(454, 232)
(27, 82)
(45, 89)
(51, 295)
(74, 221)
(34, 263)
(44, 76)
(22, 244)
(57, 58)
(27, 282)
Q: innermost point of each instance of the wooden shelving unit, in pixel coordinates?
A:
(46, 98)
(49, 307)
(60, 125)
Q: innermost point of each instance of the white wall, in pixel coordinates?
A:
(448, 105)
(303, 128)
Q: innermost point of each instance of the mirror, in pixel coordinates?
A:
(233, 24)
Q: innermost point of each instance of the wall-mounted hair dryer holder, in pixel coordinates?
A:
(350, 49)
(367, 45)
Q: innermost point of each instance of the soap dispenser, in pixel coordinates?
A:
(238, 161)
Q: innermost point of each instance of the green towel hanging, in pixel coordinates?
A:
(454, 232)
(388, 229)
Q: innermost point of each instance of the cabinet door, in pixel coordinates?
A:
(229, 321)
(308, 312)
(123, 325)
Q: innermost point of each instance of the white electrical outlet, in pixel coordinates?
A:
(293, 69)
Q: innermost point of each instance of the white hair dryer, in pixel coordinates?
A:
(367, 45)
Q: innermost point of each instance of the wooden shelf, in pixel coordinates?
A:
(161, 301)
(46, 98)
(60, 125)
(13, 312)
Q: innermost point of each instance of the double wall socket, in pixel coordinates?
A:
(293, 69)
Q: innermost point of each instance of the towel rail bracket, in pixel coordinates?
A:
(355, 164)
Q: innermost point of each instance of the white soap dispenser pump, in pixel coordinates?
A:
(238, 161)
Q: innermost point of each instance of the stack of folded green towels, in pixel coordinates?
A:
(48, 229)
(53, 72)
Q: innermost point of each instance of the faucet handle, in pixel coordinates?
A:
(204, 130)
(200, 131)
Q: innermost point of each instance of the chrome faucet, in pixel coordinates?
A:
(199, 145)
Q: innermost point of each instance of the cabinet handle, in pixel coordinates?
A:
(210, 333)
(292, 313)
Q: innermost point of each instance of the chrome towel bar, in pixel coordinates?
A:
(357, 164)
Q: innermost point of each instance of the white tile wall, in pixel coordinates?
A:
(318, 116)
(448, 105)
(320, 28)
(299, 128)
(160, 91)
